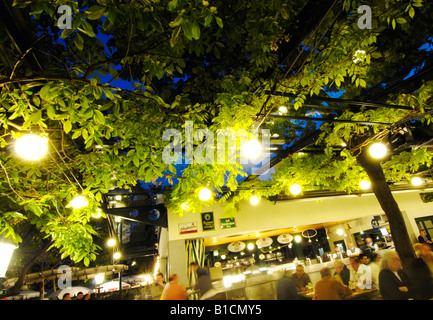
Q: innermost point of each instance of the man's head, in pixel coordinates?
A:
(354, 262)
(325, 273)
(338, 266)
(300, 270)
(363, 258)
(422, 233)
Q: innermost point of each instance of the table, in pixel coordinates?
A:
(358, 294)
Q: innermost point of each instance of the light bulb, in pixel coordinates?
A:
(416, 181)
(295, 189)
(378, 150)
(252, 149)
(31, 147)
(117, 255)
(254, 200)
(364, 184)
(205, 194)
(79, 202)
(111, 242)
(250, 246)
(282, 110)
(298, 239)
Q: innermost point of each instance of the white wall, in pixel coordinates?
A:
(267, 215)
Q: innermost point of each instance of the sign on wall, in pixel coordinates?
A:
(227, 223)
(207, 221)
(187, 227)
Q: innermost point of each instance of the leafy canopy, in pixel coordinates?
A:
(105, 91)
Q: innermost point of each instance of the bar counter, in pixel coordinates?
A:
(256, 283)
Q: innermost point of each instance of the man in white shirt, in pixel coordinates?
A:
(353, 251)
(373, 246)
(360, 275)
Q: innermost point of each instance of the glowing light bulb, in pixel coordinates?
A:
(364, 184)
(416, 181)
(250, 246)
(254, 200)
(252, 149)
(117, 255)
(31, 147)
(79, 202)
(111, 242)
(378, 150)
(295, 189)
(205, 194)
(298, 239)
(282, 110)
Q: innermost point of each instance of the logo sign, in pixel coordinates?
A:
(375, 224)
(188, 227)
(227, 223)
(207, 221)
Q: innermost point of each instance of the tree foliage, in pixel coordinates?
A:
(127, 71)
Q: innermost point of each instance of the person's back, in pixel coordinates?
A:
(174, 290)
(286, 289)
(330, 289)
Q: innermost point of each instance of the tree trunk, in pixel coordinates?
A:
(20, 282)
(380, 187)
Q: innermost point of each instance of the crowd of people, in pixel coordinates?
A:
(173, 290)
(380, 272)
(369, 269)
(80, 296)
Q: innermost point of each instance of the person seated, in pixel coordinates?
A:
(424, 237)
(342, 273)
(286, 288)
(328, 288)
(301, 278)
(360, 274)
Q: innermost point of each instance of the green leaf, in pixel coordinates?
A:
(219, 21)
(195, 30)
(88, 28)
(95, 12)
(79, 42)
(99, 117)
(51, 112)
(35, 117)
(67, 126)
